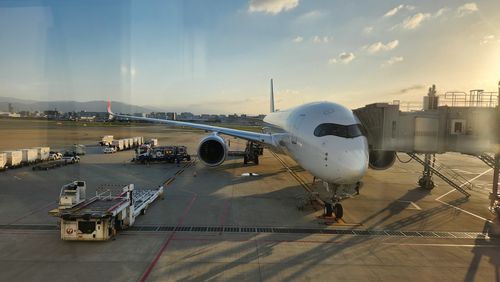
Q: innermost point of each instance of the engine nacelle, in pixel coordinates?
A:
(212, 150)
(380, 160)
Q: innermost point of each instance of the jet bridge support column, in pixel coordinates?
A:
(426, 181)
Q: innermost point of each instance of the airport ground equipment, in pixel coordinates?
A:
(109, 150)
(251, 154)
(43, 153)
(71, 158)
(29, 156)
(467, 123)
(113, 208)
(53, 155)
(3, 160)
(152, 141)
(50, 165)
(118, 144)
(148, 153)
(127, 143)
(14, 158)
(106, 140)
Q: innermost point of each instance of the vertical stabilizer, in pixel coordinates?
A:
(272, 97)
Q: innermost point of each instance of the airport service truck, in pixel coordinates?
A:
(148, 153)
(106, 140)
(113, 208)
(14, 158)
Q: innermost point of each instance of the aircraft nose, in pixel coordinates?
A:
(352, 164)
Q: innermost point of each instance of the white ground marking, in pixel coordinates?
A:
(415, 206)
(462, 210)
(17, 177)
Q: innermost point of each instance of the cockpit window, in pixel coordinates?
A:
(346, 131)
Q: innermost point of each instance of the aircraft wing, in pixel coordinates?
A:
(247, 135)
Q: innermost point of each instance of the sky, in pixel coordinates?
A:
(218, 56)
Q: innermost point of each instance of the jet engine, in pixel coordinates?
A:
(212, 150)
(380, 160)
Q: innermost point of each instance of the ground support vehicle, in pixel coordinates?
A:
(170, 154)
(113, 208)
(106, 140)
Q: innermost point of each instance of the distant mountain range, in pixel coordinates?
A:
(70, 106)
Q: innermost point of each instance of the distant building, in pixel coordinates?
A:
(139, 115)
(172, 116)
(185, 116)
(158, 115)
(55, 114)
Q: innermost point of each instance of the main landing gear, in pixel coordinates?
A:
(252, 153)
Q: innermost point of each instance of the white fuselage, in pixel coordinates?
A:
(334, 158)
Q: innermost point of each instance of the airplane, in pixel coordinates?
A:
(324, 138)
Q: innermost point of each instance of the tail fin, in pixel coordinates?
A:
(272, 97)
(110, 113)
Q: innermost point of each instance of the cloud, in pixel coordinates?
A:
(320, 39)
(332, 61)
(441, 12)
(467, 8)
(298, 39)
(271, 6)
(368, 30)
(346, 57)
(487, 39)
(392, 61)
(414, 21)
(395, 10)
(312, 15)
(408, 89)
(379, 46)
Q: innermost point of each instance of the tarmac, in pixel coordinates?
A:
(224, 224)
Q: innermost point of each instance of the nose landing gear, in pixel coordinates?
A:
(334, 210)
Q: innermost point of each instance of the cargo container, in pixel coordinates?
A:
(14, 158)
(43, 153)
(3, 160)
(126, 144)
(136, 141)
(29, 156)
(131, 143)
(118, 144)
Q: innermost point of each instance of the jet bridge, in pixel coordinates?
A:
(467, 123)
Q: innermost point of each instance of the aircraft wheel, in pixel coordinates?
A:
(338, 210)
(328, 209)
(256, 160)
(245, 159)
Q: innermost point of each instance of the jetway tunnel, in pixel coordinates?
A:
(452, 122)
